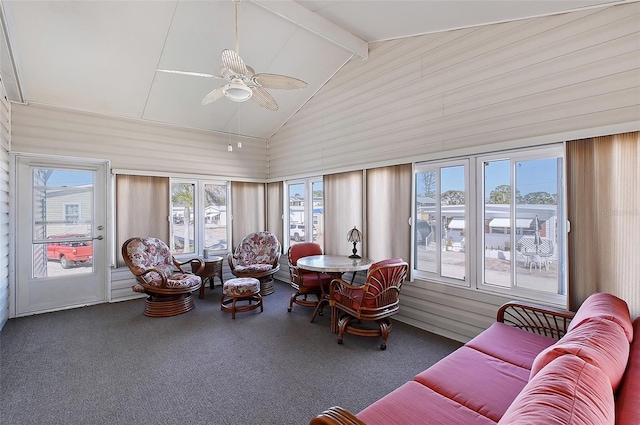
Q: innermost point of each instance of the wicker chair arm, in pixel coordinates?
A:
(198, 268)
(153, 269)
(179, 264)
(336, 415)
(230, 257)
(535, 318)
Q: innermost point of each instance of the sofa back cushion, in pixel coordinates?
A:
(599, 342)
(602, 305)
(628, 397)
(567, 391)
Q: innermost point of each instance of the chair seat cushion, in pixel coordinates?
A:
(489, 387)
(241, 286)
(253, 268)
(413, 403)
(511, 344)
(315, 279)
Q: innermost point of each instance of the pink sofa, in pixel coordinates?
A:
(568, 369)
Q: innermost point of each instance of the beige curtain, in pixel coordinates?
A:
(142, 209)
(388, 212)
(248, 208)
(274, 209)
(343, 209)
(603, 181)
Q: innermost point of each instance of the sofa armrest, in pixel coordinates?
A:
(535, 318)
(336, 415)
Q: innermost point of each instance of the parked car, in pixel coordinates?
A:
(69, 253)
(296, 232)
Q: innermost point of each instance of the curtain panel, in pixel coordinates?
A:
(343, 194)
(142, 209)
(603, 191)
(275, 210)
(388, 212)
(248, 206)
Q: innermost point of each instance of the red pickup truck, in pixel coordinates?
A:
(69, 253)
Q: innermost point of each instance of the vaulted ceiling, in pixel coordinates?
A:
(103, 56)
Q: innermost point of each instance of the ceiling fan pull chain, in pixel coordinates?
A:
(237, 4)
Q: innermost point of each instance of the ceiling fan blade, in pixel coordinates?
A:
(194, 74)
(264, 99)
(214, 95)
(281, 82)
(231, 60)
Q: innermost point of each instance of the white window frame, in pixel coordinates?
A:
(527, 154)
(474, 224)
(64, 211)
(436, 166)
(199, 216)
(308, 208)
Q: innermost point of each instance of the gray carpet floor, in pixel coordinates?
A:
(109, 364)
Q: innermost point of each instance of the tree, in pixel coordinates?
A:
(453, 197)
(543, 198)
(502, 195)
(428, 183)
(215, 194)
(182, 195)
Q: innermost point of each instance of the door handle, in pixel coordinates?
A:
(99, 237)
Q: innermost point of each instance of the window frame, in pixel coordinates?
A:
(474, 223)
(309, 224)
(515, 156)
(199, 217)
(437, 276)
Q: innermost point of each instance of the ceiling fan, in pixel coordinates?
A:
(243, 82)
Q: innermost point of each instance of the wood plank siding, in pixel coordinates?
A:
(5, 148)
(470, 89)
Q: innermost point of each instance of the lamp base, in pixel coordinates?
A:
(355, 256)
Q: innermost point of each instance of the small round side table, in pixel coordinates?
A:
(212, 268)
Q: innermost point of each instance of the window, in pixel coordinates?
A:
(509, 224)
(524, 233)
(71, 213)
(441, 211)
(306, 210)
(199, 217)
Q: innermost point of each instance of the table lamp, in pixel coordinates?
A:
(354, 235)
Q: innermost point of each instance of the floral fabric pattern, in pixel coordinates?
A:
(257, 251)
(148, 253)
(241, 286)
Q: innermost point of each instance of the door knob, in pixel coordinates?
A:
(99, 237)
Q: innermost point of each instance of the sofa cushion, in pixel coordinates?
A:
(628, 397)
(603, 305)
(567, 391)
(414, 404)
(599, 342)
(480, 382)
(511, 344)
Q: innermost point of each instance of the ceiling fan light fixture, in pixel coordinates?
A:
(237, 92)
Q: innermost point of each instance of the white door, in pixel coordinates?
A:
(60, 241)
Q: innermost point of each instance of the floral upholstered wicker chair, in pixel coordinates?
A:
(376, 300)
(257, 256)
(161, 277)
(307, 282)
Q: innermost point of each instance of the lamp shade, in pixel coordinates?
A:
(354, 235)
(237, 92)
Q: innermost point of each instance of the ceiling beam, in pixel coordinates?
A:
(316, 24)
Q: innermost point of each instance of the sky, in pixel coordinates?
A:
(61, 178)
(538, 175)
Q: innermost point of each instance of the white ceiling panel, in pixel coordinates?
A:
(102, 56)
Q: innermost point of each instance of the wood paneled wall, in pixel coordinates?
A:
(5, 148)
(135, 144)
(434, 94)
